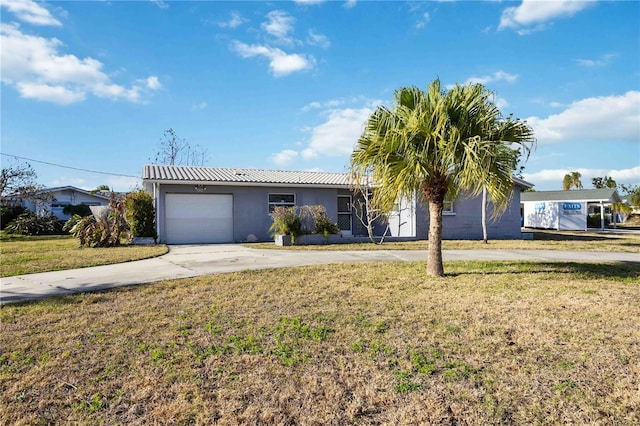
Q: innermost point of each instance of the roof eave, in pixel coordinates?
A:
(258, 184)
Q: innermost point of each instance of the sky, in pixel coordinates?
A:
(289, 85)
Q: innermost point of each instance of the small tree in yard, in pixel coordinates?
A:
(19, 182)
(439, 143)
(141, 214)
(369, 212)
(104, 228)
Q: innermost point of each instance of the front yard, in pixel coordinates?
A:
(370, 343)
(25, 255)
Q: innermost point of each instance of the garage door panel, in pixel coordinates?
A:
(199, 218)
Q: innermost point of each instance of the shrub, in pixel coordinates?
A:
(81, 210)
(101, 231)
(9, 213)
(316, 220)
(323, 223)
(141, 214)
(285, 222)
(303, 220)
(29, 223)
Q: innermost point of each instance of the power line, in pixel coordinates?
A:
(68, 167)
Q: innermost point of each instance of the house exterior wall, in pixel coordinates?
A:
(465, 223)
(251, 212)
(251, 205)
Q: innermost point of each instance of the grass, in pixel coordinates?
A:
(372, 343)
(542, 240)
(26, 255)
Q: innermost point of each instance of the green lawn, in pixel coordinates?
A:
(542, 240)
(25, 255)
(367, 343)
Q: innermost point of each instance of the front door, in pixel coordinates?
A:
(344, 214)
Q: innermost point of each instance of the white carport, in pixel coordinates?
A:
(565, 210)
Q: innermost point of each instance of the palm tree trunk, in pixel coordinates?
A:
(484, 214)
(434, 255)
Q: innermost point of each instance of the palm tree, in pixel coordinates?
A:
(571, 180)
(439, 143)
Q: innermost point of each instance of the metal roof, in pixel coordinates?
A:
(213, 175)
(606, 195)
(253, 177)
(521, 182)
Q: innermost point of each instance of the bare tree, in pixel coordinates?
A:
(19, 183)
(368, 213)
(177, 151)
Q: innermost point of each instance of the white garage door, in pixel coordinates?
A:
(198, 218)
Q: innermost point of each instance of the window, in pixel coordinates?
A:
(59, 204)
(281, 200)
(447, 207)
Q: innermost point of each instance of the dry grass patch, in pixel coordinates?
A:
(542, 240)
(372, 343)
(26, 255)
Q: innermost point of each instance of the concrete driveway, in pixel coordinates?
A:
(193, 260)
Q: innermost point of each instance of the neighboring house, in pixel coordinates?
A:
(66, 195)
(566, 210)
(218, 205)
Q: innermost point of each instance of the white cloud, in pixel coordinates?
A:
(491, 78)
(308, 2)
(334, 103)
(279, 24)
(161, 4)
(424, 19)
(234, 21)
(36, 68)
(606, 118)
(56, 94)
(318, 40)
(532, 15)
(311, 105)
(553, 177)
(338, 134)
(600, 62)
(153, 83)
(30, 12)
(199, 107)
(284, 157)
(350, 4)
(281, 63)
(501, 103)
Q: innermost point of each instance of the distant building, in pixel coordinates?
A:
(566, 210)
(63, 196)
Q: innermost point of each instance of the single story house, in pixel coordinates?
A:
(62, 196)
(566, 210)
(220, 205)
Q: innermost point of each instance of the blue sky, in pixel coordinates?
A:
(289, 85)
